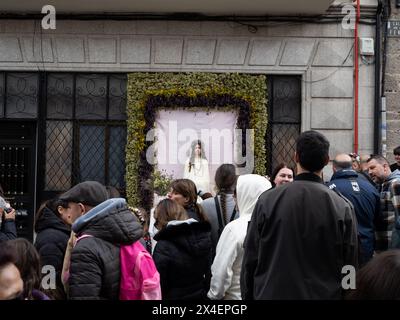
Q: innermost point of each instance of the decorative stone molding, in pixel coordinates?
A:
(322, 54)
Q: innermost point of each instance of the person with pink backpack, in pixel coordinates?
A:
(102, 226)
(140, 279)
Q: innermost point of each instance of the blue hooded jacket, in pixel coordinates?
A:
(366, 201)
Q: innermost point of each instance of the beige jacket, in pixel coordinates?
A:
(67, 261)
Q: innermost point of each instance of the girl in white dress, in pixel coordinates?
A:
(196, 167)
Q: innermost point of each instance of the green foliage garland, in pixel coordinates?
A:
(251, 88)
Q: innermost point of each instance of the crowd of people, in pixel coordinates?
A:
(287, 236)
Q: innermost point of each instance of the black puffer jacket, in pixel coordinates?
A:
(95, 262)
(51, 241)
(183, 259)
(8, 231)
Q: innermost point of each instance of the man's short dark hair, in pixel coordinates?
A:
(380, 159)
(396, 151)
(312, 149)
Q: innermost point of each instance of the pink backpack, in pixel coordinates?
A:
(140, 279)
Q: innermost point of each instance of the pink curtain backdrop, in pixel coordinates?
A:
(177, 129)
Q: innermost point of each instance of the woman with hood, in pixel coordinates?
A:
(183, 252)
(225, 281)
(53, 228)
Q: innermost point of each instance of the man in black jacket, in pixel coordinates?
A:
(301, 234)
(101, 226)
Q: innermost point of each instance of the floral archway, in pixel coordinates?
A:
(149, 92)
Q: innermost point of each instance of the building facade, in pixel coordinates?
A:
(63, 91)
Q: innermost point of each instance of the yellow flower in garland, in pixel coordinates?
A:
(161, 182)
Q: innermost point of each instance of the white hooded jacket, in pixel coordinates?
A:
(225, 281)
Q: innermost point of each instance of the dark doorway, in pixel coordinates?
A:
(17, 171)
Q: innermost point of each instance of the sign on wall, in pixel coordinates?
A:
(393, 29)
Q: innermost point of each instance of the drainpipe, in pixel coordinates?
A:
(377, 106)
(383, 127)
(356, 75)
(386, 15)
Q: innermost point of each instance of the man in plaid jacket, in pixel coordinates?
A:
(387, 231)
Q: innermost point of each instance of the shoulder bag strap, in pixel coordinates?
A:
(83, 236)
(219, 216)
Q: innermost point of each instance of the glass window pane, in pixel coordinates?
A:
(117, 157)
(59, 96)
(286, 104)
(22, 95)
(58, 155)
(92, 153)
(117, 97)
(91, 96)
(284, 138)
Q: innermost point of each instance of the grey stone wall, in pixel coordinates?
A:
(321, 54)
(392, 91)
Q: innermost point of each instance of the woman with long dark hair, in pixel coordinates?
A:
(196, 167)
(220, 210)
(27, 260)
